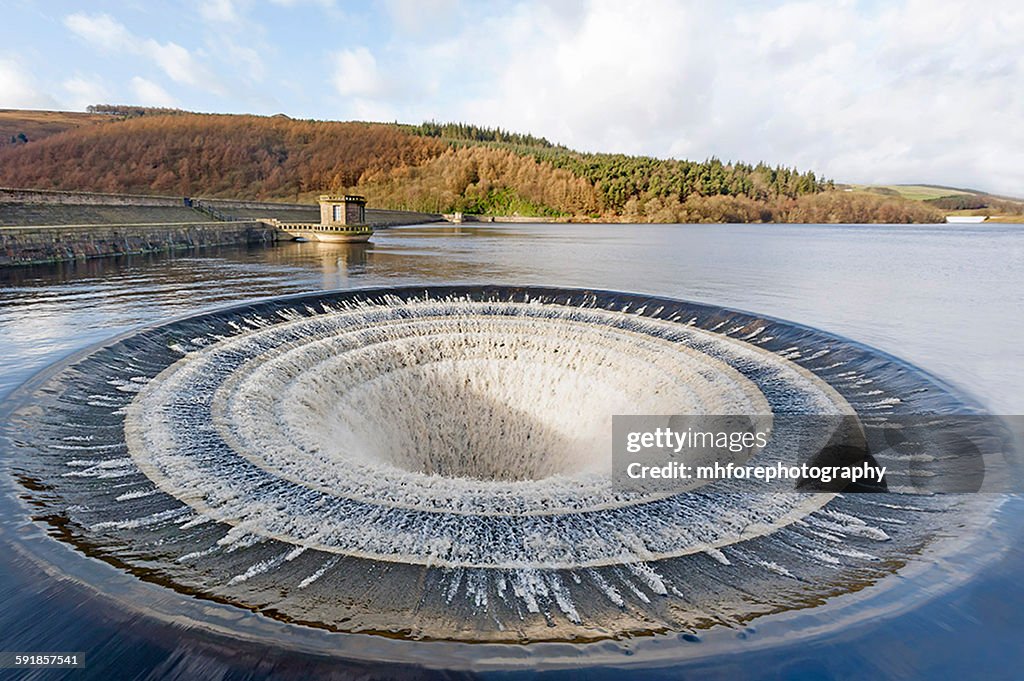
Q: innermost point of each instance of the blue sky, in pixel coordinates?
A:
(902, 91)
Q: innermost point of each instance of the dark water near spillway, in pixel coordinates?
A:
(946, 299)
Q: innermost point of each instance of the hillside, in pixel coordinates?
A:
(21, 127)
(952, 200)
(430, 167)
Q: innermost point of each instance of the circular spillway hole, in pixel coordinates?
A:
(437, 463)
(490, 399)
(480, 420)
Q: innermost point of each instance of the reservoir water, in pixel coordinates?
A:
(944, 298)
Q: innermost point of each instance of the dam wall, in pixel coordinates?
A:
(307, 212)
(50, 196)
(34, 245)
(378, 217)
(50, 214)
(42, 207)
(39, 226)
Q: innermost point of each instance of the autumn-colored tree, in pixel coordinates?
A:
(434, 167)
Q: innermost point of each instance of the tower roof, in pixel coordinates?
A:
(342, 198)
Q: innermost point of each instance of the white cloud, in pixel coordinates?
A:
(18, 88)
(102, 30)
(237, 40)
(174, 60)
(149, 93)
(84, 91)
(895, 92)
(615, 77)
(325, 4)
(367, 92)
(218, 10)
(902, 91)
(421, 15)
(356, 74)
(242, 57)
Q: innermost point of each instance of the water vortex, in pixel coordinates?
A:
(435, 462)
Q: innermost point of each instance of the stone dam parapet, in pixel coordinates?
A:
(38, 226)
(33, 245)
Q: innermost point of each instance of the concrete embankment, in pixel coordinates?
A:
(51, 196)
(378, 217)
(522, 219)
(39, 226)
(304, 212)
(32, 245)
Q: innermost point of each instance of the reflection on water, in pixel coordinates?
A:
(509, 530)
(943, 297)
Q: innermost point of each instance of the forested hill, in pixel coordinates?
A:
(431, 167)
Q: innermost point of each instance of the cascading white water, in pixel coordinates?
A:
(440, 464)
(461, 419)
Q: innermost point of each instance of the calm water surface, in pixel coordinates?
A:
(947, 298)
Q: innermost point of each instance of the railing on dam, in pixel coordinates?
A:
(300, 227)
(207, 209)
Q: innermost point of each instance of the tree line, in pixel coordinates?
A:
(433, 167)
(132, 111)
(476, 133)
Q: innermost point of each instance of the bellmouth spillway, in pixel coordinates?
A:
(434, 462)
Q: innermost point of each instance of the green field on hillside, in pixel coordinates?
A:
(914, 192)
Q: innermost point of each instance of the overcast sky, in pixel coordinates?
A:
(918, 91)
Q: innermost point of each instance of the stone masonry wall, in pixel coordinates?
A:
(30, 245)
(374, 216)
(85, 198)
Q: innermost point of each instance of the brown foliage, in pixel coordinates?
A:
(280, 158)
(839, 206)
(38, 125)
(213, 155)
(470, 176)
(826, 207)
